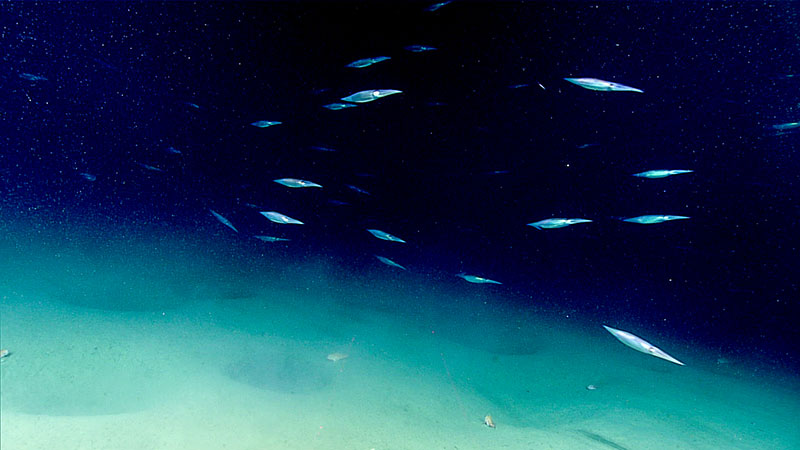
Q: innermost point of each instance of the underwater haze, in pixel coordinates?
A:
(399, 225)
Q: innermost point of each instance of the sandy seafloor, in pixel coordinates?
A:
(165, 342)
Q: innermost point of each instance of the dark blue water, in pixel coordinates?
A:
(457, 164)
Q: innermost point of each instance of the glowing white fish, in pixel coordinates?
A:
(265, 123)
(271, 239)
(653, 218)
(389, 262)
(371, 95)
(366, 62)
(223, 220)
(595, 84)
(280, 218)
(477, 280)
(295, 183)
(661, 173)
(637, 343)
(556, 223)
(386, 236)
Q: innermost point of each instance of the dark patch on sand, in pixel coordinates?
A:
(602, 440)
(282, 372)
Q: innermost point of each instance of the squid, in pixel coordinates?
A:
(637, 343)
(556, 223)
(595, 84)
(370, 95)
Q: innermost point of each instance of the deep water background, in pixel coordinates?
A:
(717, 76)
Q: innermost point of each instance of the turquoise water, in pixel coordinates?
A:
(162, 340)
(146, 145)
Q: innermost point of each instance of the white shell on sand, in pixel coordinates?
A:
(337, 356)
